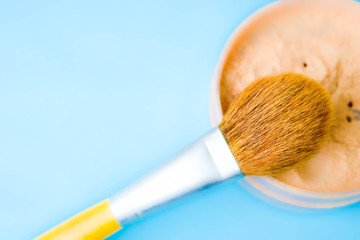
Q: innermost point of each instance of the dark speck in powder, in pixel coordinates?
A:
(305, 64)
(350, 104)
(348, 119)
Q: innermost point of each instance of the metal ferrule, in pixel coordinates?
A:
(205, 162)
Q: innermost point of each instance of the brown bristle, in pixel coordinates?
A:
(277, 123)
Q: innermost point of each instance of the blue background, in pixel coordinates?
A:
(94, 94)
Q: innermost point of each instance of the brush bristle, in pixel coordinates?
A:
(277, 123)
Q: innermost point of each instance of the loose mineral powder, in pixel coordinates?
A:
(322, 44)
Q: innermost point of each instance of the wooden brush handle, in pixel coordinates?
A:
(97, 222)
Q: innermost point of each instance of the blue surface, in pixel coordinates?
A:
(93, 94)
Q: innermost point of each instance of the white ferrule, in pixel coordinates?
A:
(205, 162)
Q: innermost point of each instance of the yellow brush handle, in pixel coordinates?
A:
(97, 222)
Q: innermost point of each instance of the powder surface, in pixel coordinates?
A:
(323, 44)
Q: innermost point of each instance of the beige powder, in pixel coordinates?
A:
(323, 45)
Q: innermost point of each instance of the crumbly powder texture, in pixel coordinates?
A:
(322, 45)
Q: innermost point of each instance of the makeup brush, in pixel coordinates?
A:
(277, 123)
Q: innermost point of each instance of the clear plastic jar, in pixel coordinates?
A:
(268, 188)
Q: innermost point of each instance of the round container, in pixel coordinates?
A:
(268, 188)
